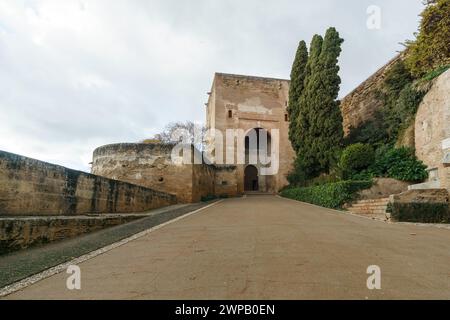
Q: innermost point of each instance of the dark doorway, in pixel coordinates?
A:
(251, 179)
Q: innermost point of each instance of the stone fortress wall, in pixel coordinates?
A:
(432, 133)
(361, 104)
(245, 103)
(151, 166)
(32, 187)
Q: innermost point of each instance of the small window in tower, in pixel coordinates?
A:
(230, 113)
(286, 117)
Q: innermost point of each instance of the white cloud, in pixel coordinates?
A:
(78, 74)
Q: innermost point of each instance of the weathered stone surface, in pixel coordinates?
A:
(152, 166)
(383, 188)
(407, 137)
(432, 129)
(422, 196)
(226, 181)
(32, 187)
(252, 102)
(20, 233)
(362, 103)
(374, 208)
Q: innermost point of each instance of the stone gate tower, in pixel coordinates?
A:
(244, 103)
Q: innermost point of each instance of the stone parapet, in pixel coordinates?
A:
(33, 187)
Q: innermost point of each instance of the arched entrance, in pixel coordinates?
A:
(251, 179)
(257, 146)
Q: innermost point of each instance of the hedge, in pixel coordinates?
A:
(331, 195)
(420, 212)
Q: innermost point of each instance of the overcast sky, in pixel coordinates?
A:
(77, 74)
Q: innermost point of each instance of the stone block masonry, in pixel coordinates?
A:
(29, 187)
(361, 104)
(432, 129)
(151, 166)
(22, 232)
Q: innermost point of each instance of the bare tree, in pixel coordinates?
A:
(186, 132)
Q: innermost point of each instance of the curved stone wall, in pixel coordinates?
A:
(151, 166)
(432, 129)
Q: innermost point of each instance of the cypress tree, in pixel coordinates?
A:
(320, 118)
(305, 160)
(298, 74)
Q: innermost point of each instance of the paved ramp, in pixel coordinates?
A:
(265, 247)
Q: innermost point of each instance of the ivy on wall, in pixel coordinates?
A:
(431, 49)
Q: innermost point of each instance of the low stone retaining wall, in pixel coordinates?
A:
(383, 188)
(427, 206)
(21, 233)
(30, 187)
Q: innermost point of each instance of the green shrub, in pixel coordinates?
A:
(400, 99)
(297, 176)
(363, 175)
(398, 163)
(435, 73)
(322, 179)
(403, 110)
(332, 195)
(420, 212)
(355, 158)
(373, 132)
(431, 49)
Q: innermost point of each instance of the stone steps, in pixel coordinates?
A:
(370, 207)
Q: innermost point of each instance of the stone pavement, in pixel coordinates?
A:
(265, 247)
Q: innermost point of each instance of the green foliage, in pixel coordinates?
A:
(297, 176)
(403, 110)
(323, 179)
(332, 195)
(420, 212)
(396, 79)
(435, 73)
(305, 162)
(373, 132)
(400, 101)
(400, 96)
(319, 124)
(400, 164)
(390, 162)
(431, 49)
(356, 158)
(298, 75)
